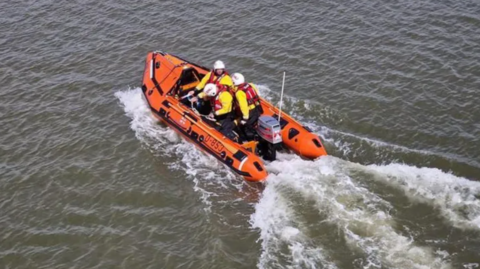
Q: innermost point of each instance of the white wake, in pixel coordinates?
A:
(303, 198)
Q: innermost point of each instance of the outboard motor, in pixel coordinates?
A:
(269, 131)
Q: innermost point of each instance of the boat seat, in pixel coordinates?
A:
(189, 79)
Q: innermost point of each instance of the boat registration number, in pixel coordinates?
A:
(213, 143)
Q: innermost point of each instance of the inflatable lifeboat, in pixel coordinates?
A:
(167, 76)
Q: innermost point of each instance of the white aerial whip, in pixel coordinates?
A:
(281, 98)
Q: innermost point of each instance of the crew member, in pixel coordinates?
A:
(221, 101)
(218, 76)
(248, 101)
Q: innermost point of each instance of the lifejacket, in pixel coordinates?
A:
(215, 102)
(216, 80)
(252, 96)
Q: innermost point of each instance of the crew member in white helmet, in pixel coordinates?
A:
(247, 101)
(218, 76)
(221, 101)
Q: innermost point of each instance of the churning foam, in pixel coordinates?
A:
(456, 197)
(361, 216)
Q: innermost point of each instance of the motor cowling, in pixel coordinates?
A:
(269, 129)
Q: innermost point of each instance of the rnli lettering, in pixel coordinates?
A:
(213, 143)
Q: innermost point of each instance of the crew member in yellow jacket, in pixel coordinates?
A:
(221, 102)
(218, 76)
(248, 101)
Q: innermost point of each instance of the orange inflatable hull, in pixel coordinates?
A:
(165, 75)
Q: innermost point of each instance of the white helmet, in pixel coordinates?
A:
(218, 65)
(210, 89)
(238, 79)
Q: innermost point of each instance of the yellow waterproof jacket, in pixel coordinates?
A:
(225, 80)
(241, 98)
(223, 103)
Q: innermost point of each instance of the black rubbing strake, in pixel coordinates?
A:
(194, 135)
(229, 161)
